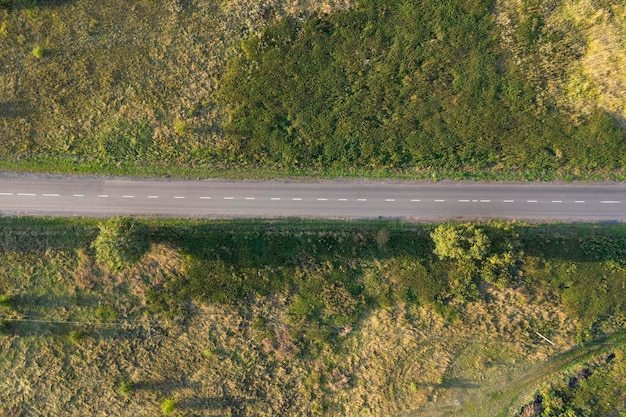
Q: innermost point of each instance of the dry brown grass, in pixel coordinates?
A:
(579, 61)
(128, 62)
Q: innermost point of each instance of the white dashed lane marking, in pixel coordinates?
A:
(301, 199)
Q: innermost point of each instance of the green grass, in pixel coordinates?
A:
(404, 108)
(70, 166)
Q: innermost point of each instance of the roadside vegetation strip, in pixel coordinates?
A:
(332, 59)
(384, 67)
(414, 311)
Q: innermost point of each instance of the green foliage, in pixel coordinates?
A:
(493, 252)
(168, 406)
(528, 30)
(396, 85)
(327, 299)
(6, 303)
(382, 237)
(404, 279)
(77, 336)
(460, 241)
(121, 243)
(168, 299)
(604, 248)
(126, 388)
(382, 89)
(125, 141)
(595, 392)
(105, 313)
(38, 51)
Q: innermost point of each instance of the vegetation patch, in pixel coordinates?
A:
(322, 88)
(309, 318)
(396, 85)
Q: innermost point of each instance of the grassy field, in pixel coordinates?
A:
(248, 318)
(177, 88)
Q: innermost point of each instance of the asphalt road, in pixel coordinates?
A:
(419, 201)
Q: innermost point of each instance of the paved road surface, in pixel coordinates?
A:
(97, 197)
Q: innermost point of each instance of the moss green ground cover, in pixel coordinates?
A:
(256, 318)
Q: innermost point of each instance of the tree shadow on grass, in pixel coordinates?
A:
(204, 403)
(24, 302)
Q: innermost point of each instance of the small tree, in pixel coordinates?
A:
(121, 243)
(460, 241)
(38, 51)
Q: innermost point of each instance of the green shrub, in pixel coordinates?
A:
(77, 336)
(39, 51)
(106, 313)
(126, 388)
(6, 302)
(168, 406)
(460, 241)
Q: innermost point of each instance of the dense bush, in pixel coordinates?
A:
(399, 84)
